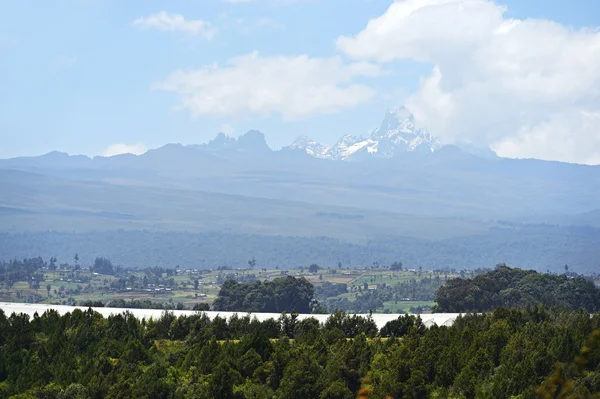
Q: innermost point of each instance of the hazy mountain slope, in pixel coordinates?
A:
(137, 225)
(448, 182)
(47, 203)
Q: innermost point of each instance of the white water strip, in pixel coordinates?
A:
(380, 319)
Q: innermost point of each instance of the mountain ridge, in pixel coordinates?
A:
(419, 178)
(397, 134)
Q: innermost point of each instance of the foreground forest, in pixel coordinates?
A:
(537, 338)
(504, 354)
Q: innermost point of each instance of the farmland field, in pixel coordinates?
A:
(178, 289)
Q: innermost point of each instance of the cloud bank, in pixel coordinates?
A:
(294, 87)
(529, 88)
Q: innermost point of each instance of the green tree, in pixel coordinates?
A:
(396, 266)
(253, 390)
(224, 378)
(300, 378)
(337, 390)
(103, 266)
(74, 391)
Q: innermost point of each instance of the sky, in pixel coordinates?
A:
(102, 77)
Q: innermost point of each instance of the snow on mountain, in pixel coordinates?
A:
(310, 147)
(397, 134)
(345, 147)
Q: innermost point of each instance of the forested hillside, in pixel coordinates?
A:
(504, 354)
(510, 287)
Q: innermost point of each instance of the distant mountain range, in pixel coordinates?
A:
(399, 168)
(397, 135)
(398, 187)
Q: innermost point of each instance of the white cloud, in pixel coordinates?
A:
(529, 88)
(425, 30)
(293, 86)
(165, 21)
(560, 134)
(117, 149)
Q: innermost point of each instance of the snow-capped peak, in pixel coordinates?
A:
(397, 134)
(311, 147)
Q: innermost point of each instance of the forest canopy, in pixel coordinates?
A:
(84, 355)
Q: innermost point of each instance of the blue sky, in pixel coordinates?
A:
(81, 76)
